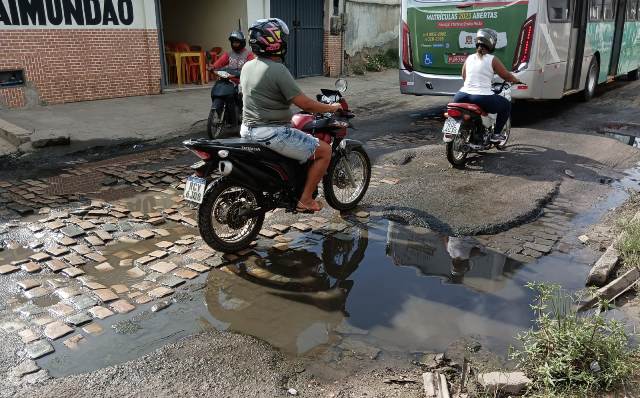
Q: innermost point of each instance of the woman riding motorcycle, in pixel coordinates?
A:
(478, 72)
(269, 90)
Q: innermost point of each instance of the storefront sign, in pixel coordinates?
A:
(29, 14)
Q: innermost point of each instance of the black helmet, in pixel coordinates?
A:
(239, 37)
(488, 38)
(267, 37)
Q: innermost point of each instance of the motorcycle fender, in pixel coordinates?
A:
(349, 145)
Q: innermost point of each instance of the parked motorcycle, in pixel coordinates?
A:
(237, 181)
(226, 104)
(468, 128)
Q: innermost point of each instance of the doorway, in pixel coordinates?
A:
(617, 37)
(576, 44)
(305, 19)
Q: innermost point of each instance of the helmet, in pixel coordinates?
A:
(238, 36)
(488, 38)
(267, 37)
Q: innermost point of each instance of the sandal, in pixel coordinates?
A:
(300, 208)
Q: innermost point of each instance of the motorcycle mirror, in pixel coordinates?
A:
(341, 85)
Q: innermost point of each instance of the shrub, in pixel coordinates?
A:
(568, 354)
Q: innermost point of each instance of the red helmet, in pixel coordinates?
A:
(267, 37)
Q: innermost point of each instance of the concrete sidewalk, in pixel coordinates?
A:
(155, 118)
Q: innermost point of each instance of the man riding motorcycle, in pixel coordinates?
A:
(238, 56)
(478, 72)
(269, 90)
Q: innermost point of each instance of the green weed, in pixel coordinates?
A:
(629, 245)
(568, 354)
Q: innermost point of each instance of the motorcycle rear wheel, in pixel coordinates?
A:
(221, 224)
(338, 190)
(455, 155)
(215, 123)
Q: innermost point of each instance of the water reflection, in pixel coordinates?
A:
(366, 278)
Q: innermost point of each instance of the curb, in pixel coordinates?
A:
(14, 134)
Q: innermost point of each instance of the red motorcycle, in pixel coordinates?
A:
(237, 181)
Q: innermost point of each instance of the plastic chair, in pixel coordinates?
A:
(190, 67)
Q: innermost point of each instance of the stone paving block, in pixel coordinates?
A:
(94, 241)
(61, 310)
(75, 260)
(27, 284)
(161, 232)
(106, 295)
(31, 267)
(36, 378)
(143, 286)
(38, 349)
(58, 251)
(74, 341)
(119, 289)
(72, 231)
(26, 367)
(164, 244)
(128, 262)
(82, 302)
(57, 329)
(12, 326)
(104, 267)
(136, 214)
(158, 254)
(163, 267)
(78, 319)
(85, 225)
(133, 295)
(538, 247)
(281, 246)
(268, 233)
(122, 306)
(66, 241)
(94, 285)
(39, 257)
(145, 260)
(160, 306)
(54, 225)
(82, 249)
(8, 269)
(123, 254)
(93, 328)
(145, 234)
(28, 335)
(283, 239)
(42, 320)
(160, 292)
(200, 255)
(100, 312)
(136, 272)
(184, 273)
(170, 281)
(108, 228)
(29, 310)
(198, 267)
(36, 292)
(73, 272)
(179, 249)
(97, 257)
(143, 299)
(280, 228)
(67, 292)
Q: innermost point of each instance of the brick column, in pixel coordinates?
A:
(333, 54)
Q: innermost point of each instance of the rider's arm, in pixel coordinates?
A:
(501, 71)
(307, 104)
(251, 56)
(464, 71)
(222, 62)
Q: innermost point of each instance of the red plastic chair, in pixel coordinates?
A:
(190, 67)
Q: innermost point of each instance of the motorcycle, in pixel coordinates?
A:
(468, 129)
(226, 104)
(237, 181)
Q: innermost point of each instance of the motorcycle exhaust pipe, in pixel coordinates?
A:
(225, 167)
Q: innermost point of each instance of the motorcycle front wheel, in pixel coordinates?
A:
(226, 218)
(347, 179)
(455, 155)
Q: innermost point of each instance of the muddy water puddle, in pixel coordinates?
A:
(374, 288)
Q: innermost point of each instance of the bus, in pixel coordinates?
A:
(555, 47)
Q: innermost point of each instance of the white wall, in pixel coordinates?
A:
(371, 24)
(257, 9)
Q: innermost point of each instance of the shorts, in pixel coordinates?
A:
(285, 140)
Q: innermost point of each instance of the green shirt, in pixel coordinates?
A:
(268, 90)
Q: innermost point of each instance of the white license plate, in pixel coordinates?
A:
(451, 126)
(194, 190)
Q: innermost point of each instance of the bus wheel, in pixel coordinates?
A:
(633, 75)
(592, 80)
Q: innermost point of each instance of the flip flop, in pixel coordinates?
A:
(300, 208)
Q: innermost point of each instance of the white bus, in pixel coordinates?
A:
(558, 47)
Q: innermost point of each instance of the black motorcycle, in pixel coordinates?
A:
(226, 105)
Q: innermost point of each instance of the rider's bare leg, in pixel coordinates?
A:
(317, 170)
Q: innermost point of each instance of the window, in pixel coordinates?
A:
(632, 10)
(608, 10)
(595, 10)
(336, 7)
(559, 10)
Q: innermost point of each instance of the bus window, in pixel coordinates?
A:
(559, 10)
(595, 10)
(632, 10)
(608, 10)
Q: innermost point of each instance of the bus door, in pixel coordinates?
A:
(576, 44)
(621, 10)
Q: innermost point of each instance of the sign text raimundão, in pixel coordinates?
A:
(66, 13)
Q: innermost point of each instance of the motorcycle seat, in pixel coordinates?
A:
(469, 107)
(255, 148)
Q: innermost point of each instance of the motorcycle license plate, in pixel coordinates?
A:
(451, 126)
(194, 189)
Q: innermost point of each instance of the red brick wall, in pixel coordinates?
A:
(332, 54)
(69, 65)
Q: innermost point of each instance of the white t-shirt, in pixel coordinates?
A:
(479, 75)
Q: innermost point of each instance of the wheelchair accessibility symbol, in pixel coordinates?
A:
(428, 59)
